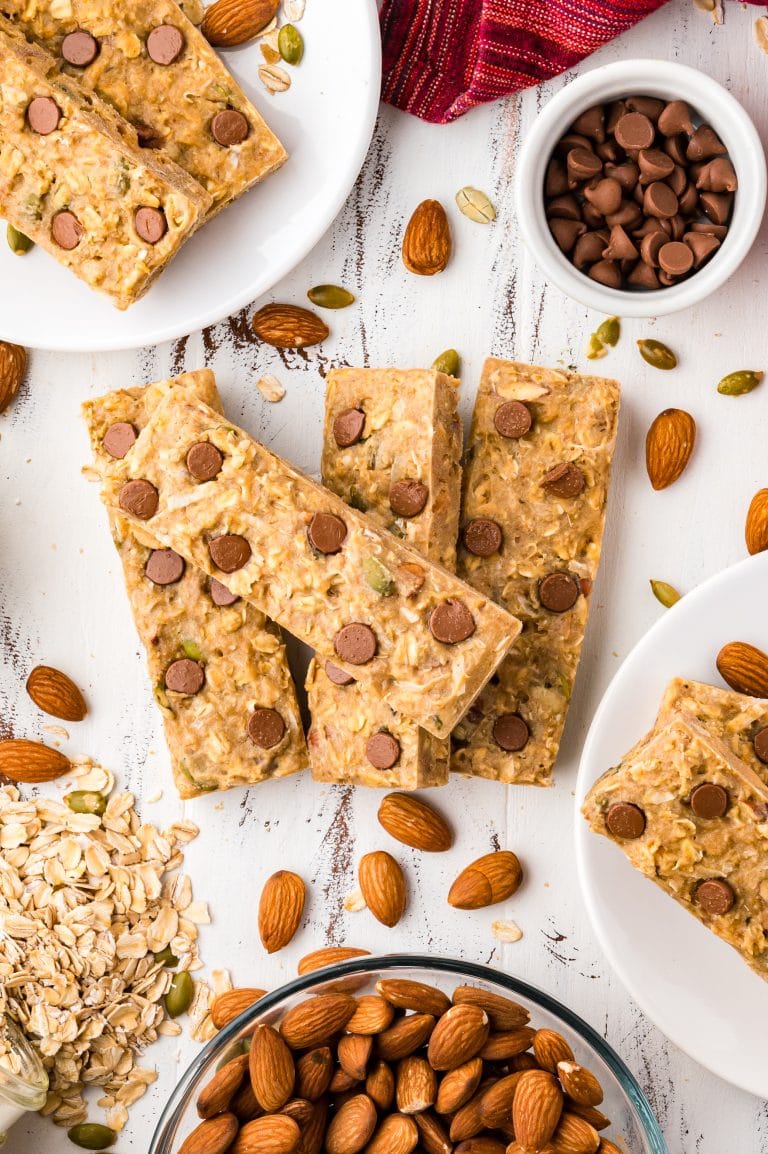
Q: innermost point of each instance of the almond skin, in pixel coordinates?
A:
(212, 1136)
(353, 1052)
(272, 1069)
(351, 1126)
(549, 1048)
(743, 666)
(314, 1022)
(668, 446)
(407, 994)
(490, 879)
(215, 1098)
(406, 1036)
(280, 909)
(230, 22)
(496, 1102)
(507, 1044)
(536, 1109)
(372, 1016)
(289, 326)
(56, 694)
(411, 821)
(756, 528)
(416, 1085)
(459, 1035)
(383, 886)
(229, 1005)
(13, 365)
(30, 762)
(380, 1085)
(458, 1085)
(427, 241)
(433, 1136)
(503, 1012)
(580, 1084)
(329, 956)
(314, 1072)
(397, 1134)
(272, 1134)
(574, 1136)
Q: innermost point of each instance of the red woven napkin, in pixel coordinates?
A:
(443, 57)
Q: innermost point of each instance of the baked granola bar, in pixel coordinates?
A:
(392, 448)
(73, 179)
(535, 485)
(149, 62)
(217, 664)
(693, 818)
(421, 640)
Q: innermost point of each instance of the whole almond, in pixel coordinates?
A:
(330, 956)
(458, 1036)
(742, 665)
(427, 241)
(13, 365)
(668, 446)
(314, 1071)
(416, 1085)
(432, 1135)
(407, 994)
(574, 1136)
(536, 1109)
(351, 1126)
(313, 1134)
(458, 1086)
(212, 1136)
(229, 1005)
(480, 1145)
(507, 1044)
(372, 1016)
(580, 1084)
(590, 1114)
(380, 1084)
(56, 694)
(289, 326)
(411, 821)
(383, 886)
(271, 1134)
(230, 22)
(215, 1098)
(315, 1021)
(30, 762)
(280, 909)
(397, 1134)
(608, 1147)
(354, 1052)
(496, 1102)
(272, 1068)
(467, 1122)
(244, 1103)
(300, 1109)
(405, 1037)
(504, 1013)
(492, 878)
(756, 528)
(549, 1048)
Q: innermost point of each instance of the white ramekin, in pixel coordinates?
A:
(668, 81)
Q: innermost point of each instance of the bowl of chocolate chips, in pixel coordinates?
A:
(641, 187)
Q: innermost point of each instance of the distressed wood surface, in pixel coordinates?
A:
(62, 599)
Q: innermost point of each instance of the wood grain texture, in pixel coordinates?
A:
(62, 600)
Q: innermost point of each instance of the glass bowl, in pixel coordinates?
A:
(633, 1128)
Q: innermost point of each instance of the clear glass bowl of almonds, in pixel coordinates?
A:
(407, 1053)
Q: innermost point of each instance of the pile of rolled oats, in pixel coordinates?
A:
(86, 902)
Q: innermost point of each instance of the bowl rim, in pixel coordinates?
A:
(171, 1115)
(608, 81)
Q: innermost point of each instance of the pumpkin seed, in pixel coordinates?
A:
(657, 355)
(378, 576)
(203, 786)
(86, 801)
(330, 296)
(666, 594)
(609, 331)
(180, 995)
(192, 651)
(448, 362)
(167, 958)
(290, 44)
(475, 204)
(357, 500)
(91, 1136)
(595, 349)
(18, 243)
(743, 381)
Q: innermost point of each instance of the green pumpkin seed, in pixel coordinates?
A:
(357, 500)
(167, 958)
(378, 576)
(192, 650)
(595, 349)
(448, 362)
(180, 995)
(565, 686)
(91, 1136)
(609, 331)
(18, 243)
(736, 384)
(666, 594)
(86, 801)
(290, 44)
(330, 296)
(475, 204)
(657, 355)
(201, 785)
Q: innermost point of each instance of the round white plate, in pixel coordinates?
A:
(325, 120)
(695, 988)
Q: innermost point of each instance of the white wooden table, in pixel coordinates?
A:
(62, 599)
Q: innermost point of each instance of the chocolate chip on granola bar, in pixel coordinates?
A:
(165, 44)
(326, 533)
(204, 461)
(229, 128)
(119, 438)
(382, 750)
(715, 896)
(79, 48)
(625, 820)
(348, 427)
(565, 480)
(150, 224)
(513, 419)
(164, 567)
(139, 498)
(559, 592)
(229, 552)
(482, 536)
(266, 728)
(185, 676)
(511, 732)
(336, 675)
(709, 800)
(451, 622)
(408, 498)
(760, 742)
(356, 643)
(43, 115)
(66, 230)
(220, 595)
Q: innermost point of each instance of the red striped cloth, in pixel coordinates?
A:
(443, 57)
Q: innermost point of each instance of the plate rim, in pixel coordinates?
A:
(582, 833)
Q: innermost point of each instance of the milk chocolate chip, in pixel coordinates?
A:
(229, 128)
(229, 552)
(511, 732)
(43, 115)
(266, 728)
(408, 498)
(559, 592)
(139, 498)
(66, 230)
(326, 533)
(165, 44)
(355, 643)
(709, 801)
(482, 536)
(625, 820)
(79, 48)
(513, 419)
(348, 427)
(220, 595)
(204, 461)
(119, 438)
(382, 750)
(451, 622)
(164, 567)
(336, 675)
(760, 742)
(185, 676)
(675, 258)
(150, 224)
(634, 131)
(566, 480)
(715, 896)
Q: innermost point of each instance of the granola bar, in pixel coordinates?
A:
(391, 447)
(149, 62)
(73, 179)
(218, 665)
(420, 639)
(533, 507)
(693, 818)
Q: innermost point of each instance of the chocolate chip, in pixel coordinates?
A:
(565, 480)
(701, 245)
(482, 536)
(564, 208)
(326, 532)
(704, 144)
(204, 461)
(619, 247)
(760, 742)
(607, 273)
(651, 245)
(675, 118)
(220, 595)
(654, 165)
(709, 800)
(382, 750)
(512, 419)
(408, 498)
(348, 427)
(626, 174)
(164, 567)
(338, 676)
(66, 230)
(675, 258)
(718, 175)
(591, 123)
(556, 178)
(229, 552)
(119, 438)
(650, 106)
(150, 224)
(589, 248)
(566, 232)
(715, 896)
(266, 728)
(229, 128)
(139, 498)
(625, 820)
(511, 732)
(605, 195)
(559, 592)
(43, 115)
(643, 276)
(659, 200)
(634, 130)
(582, 164)
(355, 643)
(451, 622)
(185, 676)
(717, 205)
(165, 44)
(79, 48)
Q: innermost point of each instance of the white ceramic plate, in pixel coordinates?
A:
(325, 120)
(695, 988)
